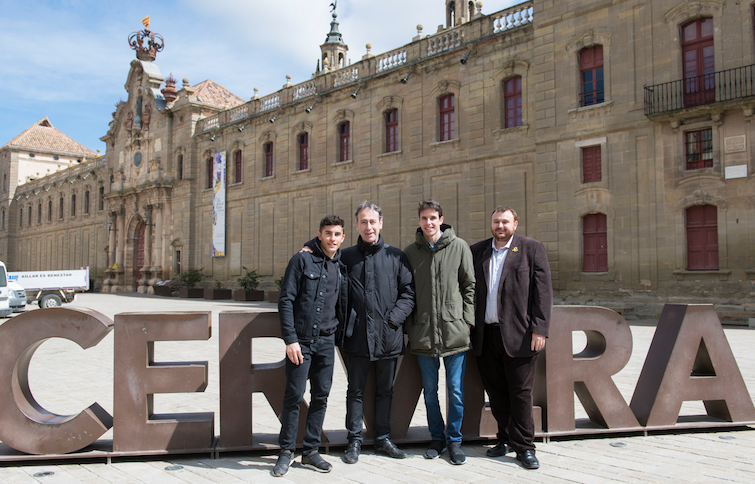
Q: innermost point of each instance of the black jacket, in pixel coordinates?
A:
(302, 296)
(381, 297)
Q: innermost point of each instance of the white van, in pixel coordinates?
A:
(5, 309)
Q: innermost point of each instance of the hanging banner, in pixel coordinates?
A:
(218, 204)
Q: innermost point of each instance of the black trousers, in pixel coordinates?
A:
(509, 383)
(358, 369)
(317, 367)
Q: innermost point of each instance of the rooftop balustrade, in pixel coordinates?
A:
(440, 43)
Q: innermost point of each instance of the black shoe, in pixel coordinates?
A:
(528, 459)
(498, 450)
(457, 455)
(385, 446)
(315, 461)
(352, 452)
(437, 447)
(284, 461)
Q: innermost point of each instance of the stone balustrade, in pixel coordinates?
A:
(345, 76)
(305, 89)
(391, 60)
(512, 18)
(447, 40)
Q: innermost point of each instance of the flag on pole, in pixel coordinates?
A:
(145, 21)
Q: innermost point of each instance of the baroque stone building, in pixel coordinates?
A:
(620, 131)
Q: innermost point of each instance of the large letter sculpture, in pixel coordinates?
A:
(24, 424)
(609, 346)
(137, 378)
(690, 359)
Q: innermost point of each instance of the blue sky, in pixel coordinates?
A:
(68, 59)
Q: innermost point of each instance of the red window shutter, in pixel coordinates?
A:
(702, 237)
(237, 167)
(594, 243)
(303, 151)
(512, 94)
(591, 164)
(391, 131)
(269, 159)
(345, 134)
(447, 118)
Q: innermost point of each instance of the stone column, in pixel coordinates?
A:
(144, 285)
(157, 261)
(112, 228)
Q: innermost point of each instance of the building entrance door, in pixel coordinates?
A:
(139, 254)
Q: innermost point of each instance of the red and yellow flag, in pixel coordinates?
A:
(145, 21)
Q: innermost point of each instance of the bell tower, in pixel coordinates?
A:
(459, 12)
(334, 50)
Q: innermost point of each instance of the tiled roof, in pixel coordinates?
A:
(210, 92)
(43, 136)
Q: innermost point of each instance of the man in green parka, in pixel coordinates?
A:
(439, 327)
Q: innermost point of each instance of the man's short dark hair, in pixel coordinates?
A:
(429, 205)
(331, 220)
(504, 208)
(365, 204)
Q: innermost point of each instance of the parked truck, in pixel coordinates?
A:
(5, 309)
(51, 288)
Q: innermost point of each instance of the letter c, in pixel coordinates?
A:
(24, 424)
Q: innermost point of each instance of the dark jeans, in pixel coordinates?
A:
(318, 368)
(385, 371)
(509, 383)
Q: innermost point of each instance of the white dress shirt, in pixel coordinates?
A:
(497, 258)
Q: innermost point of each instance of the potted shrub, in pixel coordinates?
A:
(248, 291)
(272, 296)
(190, 278)
(217, 292)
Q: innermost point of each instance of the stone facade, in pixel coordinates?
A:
(644, 191)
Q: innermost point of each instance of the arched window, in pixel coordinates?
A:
(702, 237)
(594, 243)
(591, 76)
(5, 182)
(303, 151)
(268, 148)
(699, 65)
(60, 208)
(73, 205)
(451, 15)
(49, 210)
(20, 218)
(344, 135)
(512, 101)
(2, 223)
(470, 6)
(237, 158)
(180, 167)
(447, 118)
(86, 202)
(391, 131)
(28, 222)
(101, 201)
(39, 213)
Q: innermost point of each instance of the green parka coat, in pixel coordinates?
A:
(444, 283)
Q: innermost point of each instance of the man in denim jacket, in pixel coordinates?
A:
(312, 304)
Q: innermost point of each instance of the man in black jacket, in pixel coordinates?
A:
(312, 305)
(381, 297)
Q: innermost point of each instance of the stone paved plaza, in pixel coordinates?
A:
(65, 379)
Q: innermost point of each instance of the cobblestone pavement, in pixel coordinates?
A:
(64, 379)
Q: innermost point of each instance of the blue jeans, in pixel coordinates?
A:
(455, 367)
(385, 371)
(318, 369)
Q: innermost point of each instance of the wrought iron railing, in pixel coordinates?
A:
(710, 88)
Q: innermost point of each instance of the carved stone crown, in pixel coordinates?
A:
(155, 44)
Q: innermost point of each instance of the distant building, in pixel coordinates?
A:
(621, 132)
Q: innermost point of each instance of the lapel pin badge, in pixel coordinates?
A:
(515, 249)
